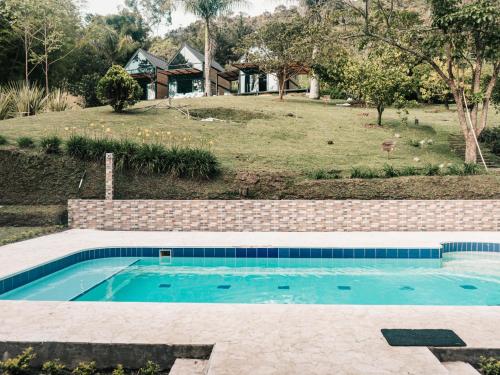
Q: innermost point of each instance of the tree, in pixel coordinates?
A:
(208, 10)
(448, 35)
(378, 78)
(59, 21)
(432, 88)
(280, 47)
(118, 89)
(23, 16)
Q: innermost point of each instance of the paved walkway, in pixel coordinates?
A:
(260, 339)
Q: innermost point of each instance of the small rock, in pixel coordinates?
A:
(330, 142)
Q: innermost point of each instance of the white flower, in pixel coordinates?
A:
(417, 159)
(441, 166)
(430, 141)
(397, 135)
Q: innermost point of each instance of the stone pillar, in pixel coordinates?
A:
(109, 177)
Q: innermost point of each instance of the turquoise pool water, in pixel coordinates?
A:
(458, 279)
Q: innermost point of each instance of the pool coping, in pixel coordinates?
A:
(25, 276)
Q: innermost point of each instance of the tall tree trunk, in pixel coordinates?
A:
(208, 59)
(26, 57)
(281, 83)
(46, 61)
(314, 81)
(380, 110)
(470, 142)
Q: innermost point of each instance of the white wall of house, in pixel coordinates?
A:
(191, 58)
(272, 82)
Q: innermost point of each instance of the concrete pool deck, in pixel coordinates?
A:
(248, 339)
(23, 255)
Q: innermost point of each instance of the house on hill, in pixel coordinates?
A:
(183, 75)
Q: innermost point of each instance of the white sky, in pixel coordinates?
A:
(179, 18)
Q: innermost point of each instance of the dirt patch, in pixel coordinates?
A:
(228, 114)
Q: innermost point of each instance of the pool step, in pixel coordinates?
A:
(460, 368)
(184, 366)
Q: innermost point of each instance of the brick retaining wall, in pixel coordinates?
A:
(285, 215)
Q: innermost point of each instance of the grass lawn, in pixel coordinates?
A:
(288, 136)
(15, 234)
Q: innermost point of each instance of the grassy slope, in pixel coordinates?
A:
(296, 144)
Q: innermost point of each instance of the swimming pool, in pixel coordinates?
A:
(461, 278)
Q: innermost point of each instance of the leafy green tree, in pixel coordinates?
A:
(208, 11)
(377, 79)
(449, 36)
(118, 89)
(280, 47)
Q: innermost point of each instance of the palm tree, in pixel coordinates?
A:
(208, 10)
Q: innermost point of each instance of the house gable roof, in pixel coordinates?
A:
(198, 55)
(154, 60)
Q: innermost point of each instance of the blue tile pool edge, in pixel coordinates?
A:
(26, 276)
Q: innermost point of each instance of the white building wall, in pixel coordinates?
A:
(192, 58)
(272, 82)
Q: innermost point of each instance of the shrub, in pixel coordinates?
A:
(3, 140)
(118, 89)
(58, 101)
(409, 171)
(495, 147)
(489, 366)
(51, 145)
(368, 173)
(431, 170)
(151, 368)
(25, 142)
(86, 88)
(147, 158)
(118, 370)
(471, 169)
(455, 170)
(390, 171)
(490, 135)
(322, 174)
(28, 100)
(19, 365)
(53, 368)
(6, 109)
(85, 368)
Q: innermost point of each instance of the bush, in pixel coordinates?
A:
(58, 101)
(390, 171)
(495, 147)
(409, 171)
(25, 142)
(490, 135)
(118, 89)
(19, 365)
(3, 140)
(147, 158)
(28, 100)
(118, 370)
(53, 368)
(367, 173)
(6, 105)
(431, 170)
(322, 174)
(489, 366)
(151, 368)
(51, 145)
(471, 169)
(86, 88)
(85, 368)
